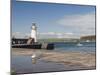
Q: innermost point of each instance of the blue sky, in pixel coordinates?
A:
(53, 20)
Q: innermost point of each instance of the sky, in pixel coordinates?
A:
(52, 20)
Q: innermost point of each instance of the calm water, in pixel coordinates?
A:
(83, 47)
(23, 64)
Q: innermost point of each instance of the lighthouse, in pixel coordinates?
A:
(34, 32)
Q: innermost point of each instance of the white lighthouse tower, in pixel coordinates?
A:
(34, 32)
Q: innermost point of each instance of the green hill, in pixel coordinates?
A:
(58, 40)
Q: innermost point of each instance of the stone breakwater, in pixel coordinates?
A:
(85, 60)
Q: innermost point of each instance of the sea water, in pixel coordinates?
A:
(78, 47)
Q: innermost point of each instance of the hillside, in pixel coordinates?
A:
(91, 38)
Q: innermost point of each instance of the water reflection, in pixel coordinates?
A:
(25, 64)
(34, 61)
(35, 56)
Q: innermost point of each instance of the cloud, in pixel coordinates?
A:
(79, 23)
(47, 33)
(55, 35)
(44, 35)
(14, 34)
(20, 35)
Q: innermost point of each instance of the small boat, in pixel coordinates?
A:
(87, 40)
(79, 44)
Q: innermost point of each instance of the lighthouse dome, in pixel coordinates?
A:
(33, 26)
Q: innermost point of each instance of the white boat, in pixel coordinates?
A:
(79, 44)
(87, 40)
